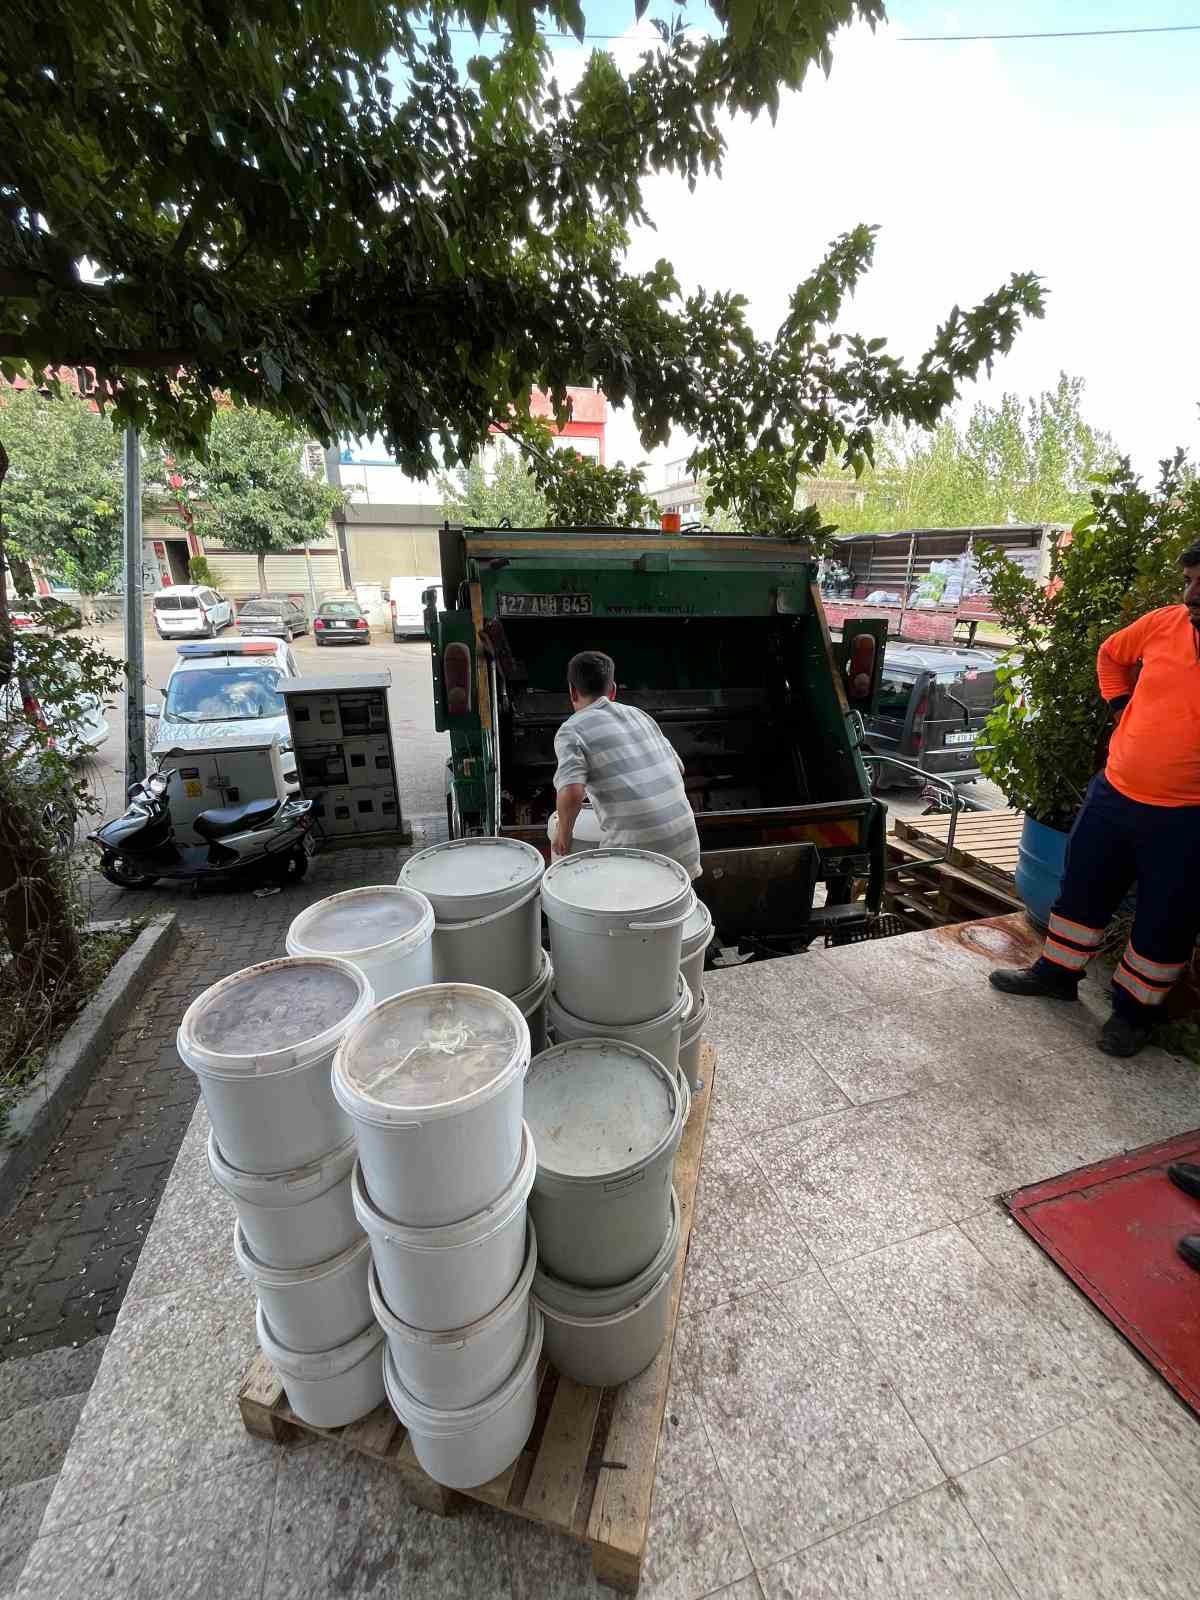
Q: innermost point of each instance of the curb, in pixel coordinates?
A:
(37, 1118)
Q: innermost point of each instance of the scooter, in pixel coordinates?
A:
(264, 838)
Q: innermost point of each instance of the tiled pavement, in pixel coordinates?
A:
(881, 1389)
(68, 1250)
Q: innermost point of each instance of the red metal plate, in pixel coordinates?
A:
(1113, 1228)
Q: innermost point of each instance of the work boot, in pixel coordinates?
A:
(1189, 1249)
(1029, 981)
(1185, 1175)
(1120, 1037)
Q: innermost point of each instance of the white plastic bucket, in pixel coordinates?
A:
(312, 1308)
(290, 1219)
(461, 1366)
(603, 1337)
(432, 1080)
(329, 1387)
(260, 1043)
(607, 1119)
(660, 1036)
(587, 833)
(616, 925)
(698, 933)
(386, 930)
(468, 878)
(442, 1278)
(532, 1002)
(467, 1446)
(690, 1040)
(500, 951)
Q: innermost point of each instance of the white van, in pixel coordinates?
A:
(190, 611)
(408, 614)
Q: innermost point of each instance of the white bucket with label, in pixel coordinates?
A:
(606, 1119)
(385, 930)
(469, 878)
(660, 1035)
(329, 1388)
(587, 833)
(616, 927)
(448, 1277)
(532, 1003)
(312, 1308)
(260, 1043)
(603, 1337)
(290, 1219)
(698, 934)
(460, 1366)
(690, 1040)
(466, 1446)
(501, 951)
(432, 1080)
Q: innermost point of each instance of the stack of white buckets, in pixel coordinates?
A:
(390, 1151)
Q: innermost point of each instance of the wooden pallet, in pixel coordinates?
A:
(985, 842)
(975, 882)
(588, 1468)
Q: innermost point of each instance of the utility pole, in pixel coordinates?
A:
(333, 475)
(135, 658)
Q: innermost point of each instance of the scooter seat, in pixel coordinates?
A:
(225, 820)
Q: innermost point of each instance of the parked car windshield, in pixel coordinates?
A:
(224, 694)
(340, 608)
(262, 608)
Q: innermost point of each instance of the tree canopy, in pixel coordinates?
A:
(62, 498)
(313, 209)
(248, 491)
(1030, 460)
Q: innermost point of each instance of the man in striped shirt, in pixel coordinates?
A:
(618, 757)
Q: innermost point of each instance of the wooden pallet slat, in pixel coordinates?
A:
(588, 1468)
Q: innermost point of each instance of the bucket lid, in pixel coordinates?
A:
(698, 929)
(430, 1052)
(362, 919)
(472, 867)
(433, 1421)
(574, 1027)
(294, 1277)
(278, 1190)
(530, 999)
(616, 880)
(310, 1366)
(471, 1230)
(597, 1107)
(273, 1017)
(697, 1017)
(455, 1338)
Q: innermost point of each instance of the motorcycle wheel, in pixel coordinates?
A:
(121, 871)
(292, 868)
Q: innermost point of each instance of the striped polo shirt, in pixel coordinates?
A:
(633, 778)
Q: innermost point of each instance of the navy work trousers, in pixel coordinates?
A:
(1116, 843)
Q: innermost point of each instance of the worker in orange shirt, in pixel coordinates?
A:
(1140, 823)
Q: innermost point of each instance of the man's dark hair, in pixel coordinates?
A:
(591, 673)
(1191, 556)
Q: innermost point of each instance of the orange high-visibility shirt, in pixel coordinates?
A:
(1154, 756)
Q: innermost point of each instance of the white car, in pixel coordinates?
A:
(190, 611)
(88, 727)
(216, 691)
(404, 598)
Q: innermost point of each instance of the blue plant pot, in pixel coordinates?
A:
(1041, 858)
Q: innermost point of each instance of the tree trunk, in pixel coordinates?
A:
(35, 905)
(262, 572)
(87, 608)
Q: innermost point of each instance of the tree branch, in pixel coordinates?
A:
(14, 347)
(26, 285)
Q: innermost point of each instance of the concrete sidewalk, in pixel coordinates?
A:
(880, 1387)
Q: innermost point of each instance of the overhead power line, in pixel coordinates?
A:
(1069, 33)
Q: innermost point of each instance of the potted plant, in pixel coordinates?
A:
(1049, 732)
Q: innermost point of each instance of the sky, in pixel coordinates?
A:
(1075, 158)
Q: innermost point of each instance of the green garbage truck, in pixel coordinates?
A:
(722, 639)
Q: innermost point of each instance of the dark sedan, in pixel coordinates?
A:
(341, 622)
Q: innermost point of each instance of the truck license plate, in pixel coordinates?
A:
(961, 738)
(544, 605)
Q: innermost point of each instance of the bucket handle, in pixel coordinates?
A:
(490, 916)
(618, 1184)
(651, 927)
(306, 1182)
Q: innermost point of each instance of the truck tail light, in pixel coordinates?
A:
(456, 678)
(919, 722)
(861, 666)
